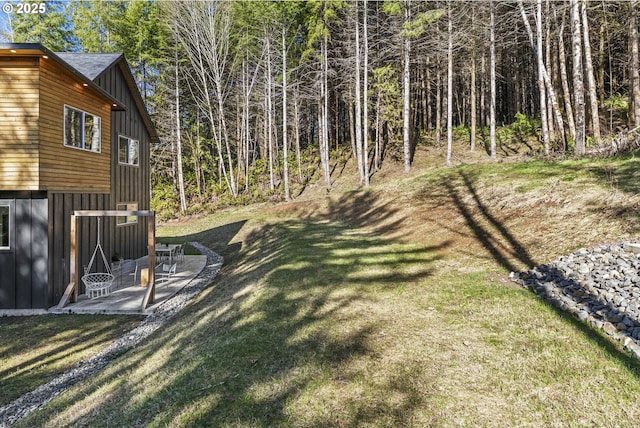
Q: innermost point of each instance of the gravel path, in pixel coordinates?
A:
(39, 397)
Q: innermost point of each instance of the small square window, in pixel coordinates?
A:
(81, 130)
(133, 206)
(128, 151)
(4, 227)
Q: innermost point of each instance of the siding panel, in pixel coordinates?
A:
(23, 269)
(67, 168)
(23, 253)
(39, 253)
(8, 261)
(61, 207)
(129, 183)
(19, 124)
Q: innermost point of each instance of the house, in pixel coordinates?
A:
(74, 135)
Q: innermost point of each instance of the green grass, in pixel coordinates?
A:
(34, 350)
(387, 307)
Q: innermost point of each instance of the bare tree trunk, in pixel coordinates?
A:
(377, 152)
(296, 115)
(578, 83)
(601, 63)
(365, 101)
(549, 74)
(565, 81)
(428, 98)
(541, 86)
(324, 114)
(269, 112)
(492, 78)
(352, 127)
(204, 30)
(406, 97)
(358, 103)
(593, 97)
(183, 199)
(449, 86)
(473, 100)
(483, 90)
(196, 148)
(247, 133)
(635, 57)
(438, 104)
(549, 88)
(285, 143)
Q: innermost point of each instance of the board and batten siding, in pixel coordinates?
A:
(61, 205)
(130, 184)
(19, 112)
(23, 267)
(68, 168)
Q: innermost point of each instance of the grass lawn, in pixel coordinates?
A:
(385, 307)
(35, 349)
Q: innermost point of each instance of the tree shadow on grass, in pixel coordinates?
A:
(282, 337)
(595, 315)
(565, 293)
(52, 346)
(487, 229)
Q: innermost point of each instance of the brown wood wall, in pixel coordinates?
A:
(32, 151)
(19, 111)
(67, 168)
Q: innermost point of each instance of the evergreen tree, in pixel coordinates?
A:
(51, 28)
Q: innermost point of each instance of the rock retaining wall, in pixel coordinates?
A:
(600, 286)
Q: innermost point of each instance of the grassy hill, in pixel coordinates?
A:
(387, 306)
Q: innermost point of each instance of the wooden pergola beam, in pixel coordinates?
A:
(71, 293)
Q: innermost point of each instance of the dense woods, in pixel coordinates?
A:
(256, 100)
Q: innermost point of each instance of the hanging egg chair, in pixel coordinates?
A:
(99, 283)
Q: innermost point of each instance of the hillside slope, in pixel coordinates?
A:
(388, 306)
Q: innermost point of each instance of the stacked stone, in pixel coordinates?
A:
(599, 286)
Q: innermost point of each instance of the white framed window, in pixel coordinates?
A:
(132, 219)
(81, 129)
(5, 226)
(128, 151)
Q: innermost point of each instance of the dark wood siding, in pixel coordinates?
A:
(24, 276)
(8, 258)
(130, 184)
(60, 208)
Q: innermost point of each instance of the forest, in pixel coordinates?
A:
(255, 100)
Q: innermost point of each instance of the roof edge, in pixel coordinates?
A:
(52, 55)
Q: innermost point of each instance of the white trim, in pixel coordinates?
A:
(127, 206)
(10, 226)
(129, 141)
(84, 143)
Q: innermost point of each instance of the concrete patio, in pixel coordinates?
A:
(127, 295)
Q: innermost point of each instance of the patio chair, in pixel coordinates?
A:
(180, 252)
(168, 270)
(128, 268)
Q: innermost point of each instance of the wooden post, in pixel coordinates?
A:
(71, 293)
(150, 293)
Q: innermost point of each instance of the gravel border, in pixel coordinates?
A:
(42, 395)
(600, 286)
